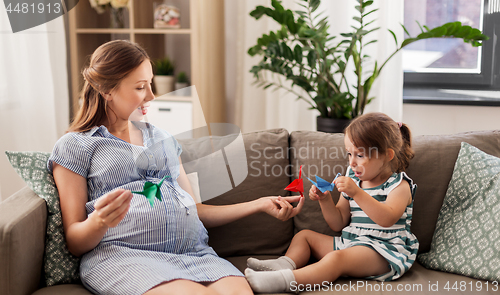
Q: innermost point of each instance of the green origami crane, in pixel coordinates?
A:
(152, 190)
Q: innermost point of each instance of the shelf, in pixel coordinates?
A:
(174, 98)
(134, 31)
(197, 47)
(163, 31)
(104, 31)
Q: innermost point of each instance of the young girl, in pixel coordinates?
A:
(129, 246)
(374, 214)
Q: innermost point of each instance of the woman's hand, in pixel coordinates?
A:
(111, 208)
(346, 185)
(316, 195)
(280, 207)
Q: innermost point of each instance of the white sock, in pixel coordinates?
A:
(270, 281)
(283, 262)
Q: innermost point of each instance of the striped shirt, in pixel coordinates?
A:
(151, 245)
(395, 243)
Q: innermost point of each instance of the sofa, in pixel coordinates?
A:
(272, 159)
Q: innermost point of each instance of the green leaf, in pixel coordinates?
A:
(394, 35)
(408, 41)
(287, 52)
(451, 28)
(367, 3)
(297, 50)
(314, 4)
(438, 31)
(463, 32)
(406, 31)
(370, 12)
(290, 22)
(259, 11)
(311, 58)
(420, 26)
(372, 41)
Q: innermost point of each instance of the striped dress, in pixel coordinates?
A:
(151, 245)
(396, 244)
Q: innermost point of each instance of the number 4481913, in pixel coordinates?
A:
(34, 8)
(471, 286)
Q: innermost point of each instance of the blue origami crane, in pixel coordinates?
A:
(324, 185)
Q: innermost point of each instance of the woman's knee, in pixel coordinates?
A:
(304, 234)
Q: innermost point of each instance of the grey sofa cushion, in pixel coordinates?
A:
(322, 154)
(431, 169)
(267, 159)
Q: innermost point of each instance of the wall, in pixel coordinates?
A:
(442, 119)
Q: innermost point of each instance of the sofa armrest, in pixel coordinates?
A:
(23, 219)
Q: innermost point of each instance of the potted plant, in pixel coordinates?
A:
(164, 78)
(181, 84)
(304, 53)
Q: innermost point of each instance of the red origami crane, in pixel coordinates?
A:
(297, 185)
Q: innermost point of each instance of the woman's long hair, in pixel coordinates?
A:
(109, 64)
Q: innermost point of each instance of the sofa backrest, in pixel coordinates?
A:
(274, 158)
(268, 175)
(431, 169)
(324, 155)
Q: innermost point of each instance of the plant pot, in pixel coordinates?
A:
(182, 89)
(331, 125)
(164, 84)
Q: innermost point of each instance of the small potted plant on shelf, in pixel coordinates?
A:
(304, 53)
(182, 80)
(164, 75)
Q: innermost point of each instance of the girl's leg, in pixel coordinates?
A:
(231, 286)
(176, 287)
(304, 244)
(357, 261)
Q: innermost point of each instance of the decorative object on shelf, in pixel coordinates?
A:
(181, 84)
(164, 76)
(304, 53)
(167, 16)
(117, 18)
(116, 10)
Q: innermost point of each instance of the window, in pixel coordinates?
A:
(434, 69)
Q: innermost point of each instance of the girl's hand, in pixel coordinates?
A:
(316, 195)
(346, 185)
(280, 207)
(111, 208)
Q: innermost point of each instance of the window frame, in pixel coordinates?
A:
(489, 78)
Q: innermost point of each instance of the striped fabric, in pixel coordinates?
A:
(151, 245)
(396, 243)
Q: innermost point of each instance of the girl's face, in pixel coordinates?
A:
(131, 98)
(367, 164)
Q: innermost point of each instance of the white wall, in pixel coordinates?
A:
(443, 119)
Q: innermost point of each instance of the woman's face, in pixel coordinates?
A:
(130, 100)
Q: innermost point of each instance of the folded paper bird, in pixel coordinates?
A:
(152, 190)
(297, 185)
(324, 185)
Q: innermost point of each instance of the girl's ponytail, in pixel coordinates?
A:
(406, 153)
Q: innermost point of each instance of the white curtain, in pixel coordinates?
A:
(252, 108)
(34, 103)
